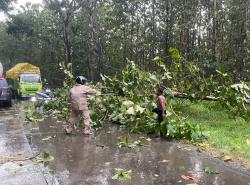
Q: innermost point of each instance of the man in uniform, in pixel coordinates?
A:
(79, 105)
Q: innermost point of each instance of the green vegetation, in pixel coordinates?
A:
(45, 157)
(128, 99)
(31, 114)
(203, 48)
(124, 142)
(224, 132)
(5, 5)
(122, 175)
(210, 170)
(98, 36)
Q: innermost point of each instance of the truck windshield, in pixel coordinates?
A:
(30, 79)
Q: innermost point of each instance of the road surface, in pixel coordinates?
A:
(81, 160)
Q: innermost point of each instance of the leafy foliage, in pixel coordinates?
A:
(124, 142)
(190, 80)
(59, 104)
(5, 5)
(176, 127)
(233, 97)
(31, 114)
(122, 174)
(108, 32)
(128, 99)
(45, 157)
(210, 170)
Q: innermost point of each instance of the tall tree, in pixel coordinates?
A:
(98, 36)
(5, 5)
(66, 10)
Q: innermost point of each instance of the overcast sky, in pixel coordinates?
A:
(18, 4)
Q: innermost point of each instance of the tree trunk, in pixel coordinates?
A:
(168, 31)
(215, 39)
(67, 47)
(244, 28)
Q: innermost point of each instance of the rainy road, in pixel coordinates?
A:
(92, 160)
(15, 168)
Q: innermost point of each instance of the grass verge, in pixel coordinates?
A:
(226, 134)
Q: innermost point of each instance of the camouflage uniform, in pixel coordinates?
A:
(79, 106)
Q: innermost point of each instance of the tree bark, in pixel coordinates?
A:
(67, 46)
(215, 39)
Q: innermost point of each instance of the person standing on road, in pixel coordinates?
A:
(79, 105)
(161, 105)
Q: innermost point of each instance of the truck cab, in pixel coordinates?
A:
(25, 79)
(29, 83)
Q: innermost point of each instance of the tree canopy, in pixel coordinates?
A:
(5, 5)
(99, 36)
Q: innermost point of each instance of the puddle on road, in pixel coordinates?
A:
(92, 160)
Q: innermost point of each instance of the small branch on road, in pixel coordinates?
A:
(17, 158)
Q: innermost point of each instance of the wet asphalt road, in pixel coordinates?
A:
(92, 160)
(15, 169)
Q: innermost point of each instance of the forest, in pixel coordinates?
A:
(100, 36)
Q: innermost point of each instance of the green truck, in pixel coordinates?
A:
(25, 80)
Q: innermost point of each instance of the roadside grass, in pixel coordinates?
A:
(226, 133)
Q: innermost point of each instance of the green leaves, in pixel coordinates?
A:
(128, 103)
(189, 80)
(232, 97)
(5, 5)
(122, 175)
(31, 114)
(175, 54)
(128, 99)
(45, 157)
(210, 170)
(135, 144)
(134, 110)
(124, 142)
(130, 111)
(59, 103)
(176, 127)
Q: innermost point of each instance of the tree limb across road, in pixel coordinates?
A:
(208, 98)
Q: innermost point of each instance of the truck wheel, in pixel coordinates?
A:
(19, 96)
(15, 95)
(9, 103)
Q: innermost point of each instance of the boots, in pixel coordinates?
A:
(86, 130)
(69, 129)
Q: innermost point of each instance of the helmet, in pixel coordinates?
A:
(81, 80)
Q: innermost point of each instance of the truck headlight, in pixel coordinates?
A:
(33, 99)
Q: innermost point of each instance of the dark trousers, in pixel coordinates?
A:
(159, 113)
